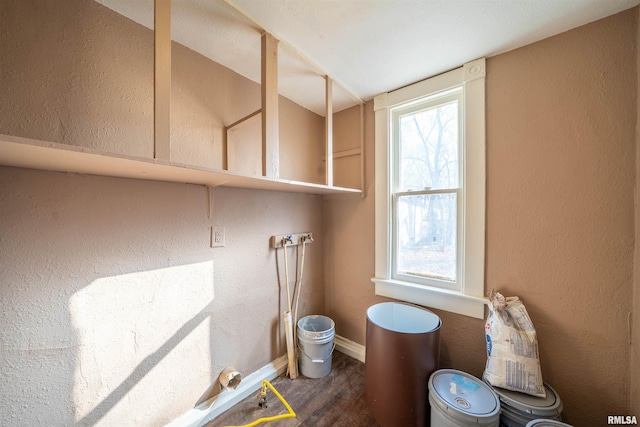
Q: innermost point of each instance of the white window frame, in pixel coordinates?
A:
(469, 298)
(432, 101)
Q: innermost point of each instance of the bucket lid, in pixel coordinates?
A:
(398, 317)
(546, 423)
(548, 406)
(463, 396)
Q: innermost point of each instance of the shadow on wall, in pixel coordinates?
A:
(105, 288)
(122, 320)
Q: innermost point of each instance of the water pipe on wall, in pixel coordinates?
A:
(263, 404)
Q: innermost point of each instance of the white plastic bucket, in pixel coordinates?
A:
(315, 345)
(518, 409)
(459, 399)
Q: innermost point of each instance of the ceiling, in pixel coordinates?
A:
(366, 46)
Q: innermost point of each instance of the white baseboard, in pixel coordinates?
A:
(350, 348)
(207, 411)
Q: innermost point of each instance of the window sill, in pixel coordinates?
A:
(428, 296)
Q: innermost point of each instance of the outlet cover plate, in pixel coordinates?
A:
(217, 236)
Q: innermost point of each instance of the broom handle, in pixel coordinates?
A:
(286, 272)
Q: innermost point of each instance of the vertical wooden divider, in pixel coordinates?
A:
(162, 80)
(269, 88)
(328, 125)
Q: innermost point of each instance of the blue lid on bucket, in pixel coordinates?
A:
(462, 396)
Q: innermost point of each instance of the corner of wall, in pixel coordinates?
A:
(635, 320)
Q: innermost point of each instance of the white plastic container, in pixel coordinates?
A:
(459, 399)
(315, 345)
(518, 409)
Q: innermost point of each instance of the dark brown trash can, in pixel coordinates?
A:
(402, 351)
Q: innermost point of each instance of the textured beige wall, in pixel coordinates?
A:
(113, 308)
(635, 337)
(301, 143)
(204, 97)
(75, 72)
(68, 77)
(346, 136)
(561, 118)
(560, 183)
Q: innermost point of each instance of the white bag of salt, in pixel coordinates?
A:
(512, 347)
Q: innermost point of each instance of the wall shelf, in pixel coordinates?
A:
(42, 155)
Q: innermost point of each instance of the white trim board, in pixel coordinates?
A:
(214, 407)
(350, 348)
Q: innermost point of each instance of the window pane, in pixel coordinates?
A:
(426, 235)
(429, 148)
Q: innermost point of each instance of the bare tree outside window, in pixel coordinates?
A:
(427, 192)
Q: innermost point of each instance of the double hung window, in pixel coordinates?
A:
(425, 190)
(430, 192)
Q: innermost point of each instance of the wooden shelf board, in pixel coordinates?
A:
(42, 155)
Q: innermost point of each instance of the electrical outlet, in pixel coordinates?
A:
(217, 236)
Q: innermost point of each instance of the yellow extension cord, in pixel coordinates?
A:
(291, 414)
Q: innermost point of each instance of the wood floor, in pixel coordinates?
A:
(334, 400)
